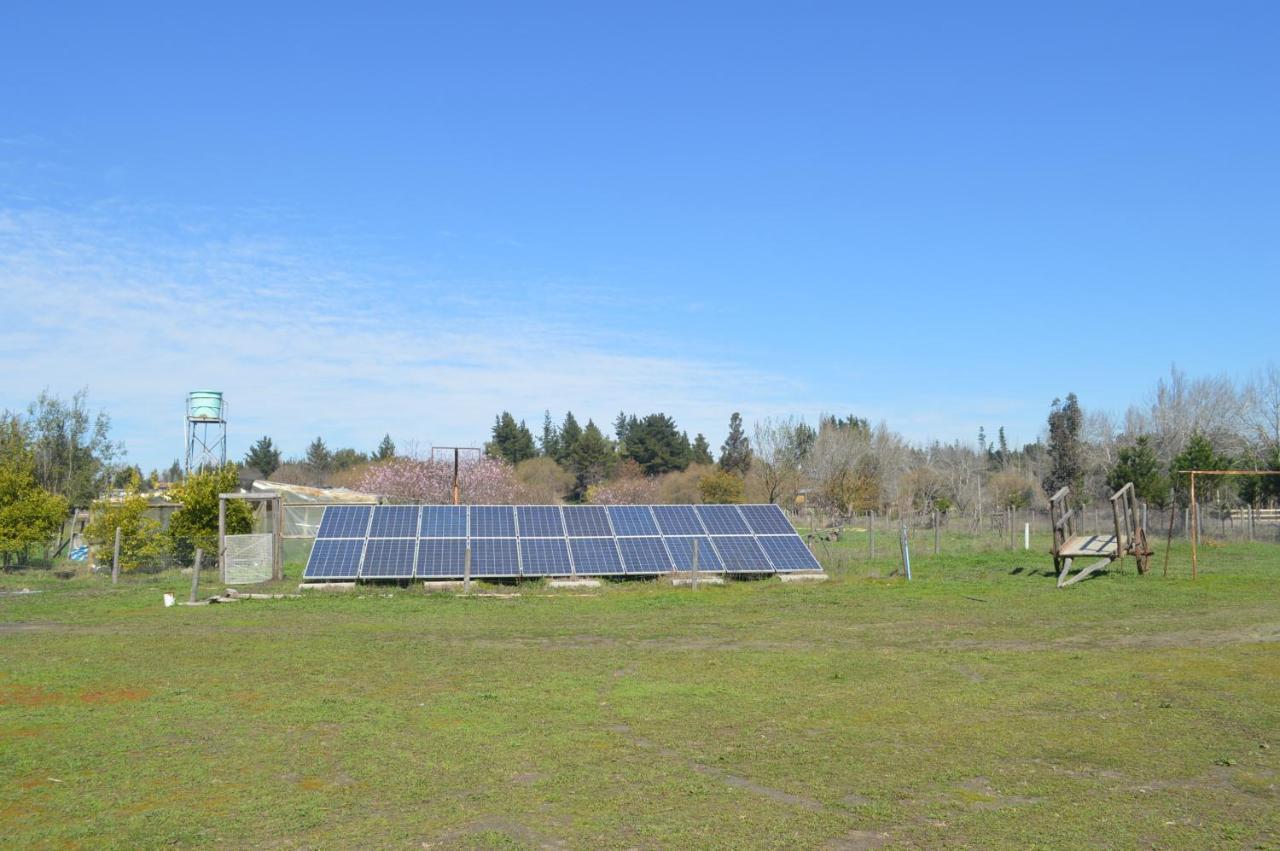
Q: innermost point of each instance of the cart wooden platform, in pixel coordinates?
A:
(1129, 537)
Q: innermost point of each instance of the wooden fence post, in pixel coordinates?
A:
(115, 559)
(937, 544)
(871, 534)
(195, 574)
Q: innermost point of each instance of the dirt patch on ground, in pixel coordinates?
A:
(30, 696)
(495, 826)
(1194, 638)
(858, 840)
(114, 695)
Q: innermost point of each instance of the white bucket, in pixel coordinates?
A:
(168, 600)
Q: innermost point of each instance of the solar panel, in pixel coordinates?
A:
(722, 520)
(494, 557)
(681, 549)
(394, 521)
(644, 555)
(430, 541)
(767, 520)
(587, 521)
(678, 520)
(443, 521)
(344, 521)
(788, 552)
(544, 557)
(334, 559)
(539, 521)
(741, 554)
(632, 520)
(493, 521)
(389, 558)
(441, 558)
(597, 556)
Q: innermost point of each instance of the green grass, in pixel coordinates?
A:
(977, 706)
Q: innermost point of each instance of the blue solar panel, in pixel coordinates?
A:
(767, 520)
(788, 552)
(444, 521)
(394, 521)
(344, 521)
(493, 521)
(644, 555)
(595, 556)
(440, 558)
(723, 520)
(494, 557)
(681, 550)
(539, 521)
(587, 521)
(389, 559)
(678, 520)
(332, 559)
(741, 554)
(632, 520)
(544, 557)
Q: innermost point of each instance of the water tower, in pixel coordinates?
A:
(206, 431)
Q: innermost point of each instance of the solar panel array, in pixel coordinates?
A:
(430, 541)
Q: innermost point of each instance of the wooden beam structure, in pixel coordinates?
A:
(1195, 506)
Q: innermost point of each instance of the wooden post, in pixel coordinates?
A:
(1251, 522)
(466, 570)
(906, 552)
(115, 559)
(1168, 544)
(871, 534)
(277, 539)
(195, 575)
(937, 544)
(222, 539)
(693, 562)
(1195, 525)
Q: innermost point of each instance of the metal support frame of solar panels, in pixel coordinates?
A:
(403, 542)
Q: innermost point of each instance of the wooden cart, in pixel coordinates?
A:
(1130, 537)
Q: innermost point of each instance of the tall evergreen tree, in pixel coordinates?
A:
(701, 450)
(1138, 464)
(735, 453)
(590, 459)
(1066, 453)
(511, 441)
(657, 446)
(1199, 454)
(263, 457)
(318, 461)
(549, 443)
(386, 449)
(570, 431)
(805, 437)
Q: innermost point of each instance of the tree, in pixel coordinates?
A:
(570, 431)
(656, 445)
(735, 453)
(549, 443)
(74, 455)
(511, 441)
(1198, 455)
(590, 459)
(721, 486)
(195, 524)
(319, 461)
(1138, 464)
(142, 539)
(481, 481)
(346, 458)
(29, 514)
(1065, 452)
(263, 457)
(778, 453)
(174, 473)
(386, 449)
(701, 450)
(542, 480)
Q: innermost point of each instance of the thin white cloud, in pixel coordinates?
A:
(305, 341)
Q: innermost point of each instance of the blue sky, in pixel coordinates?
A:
(405, 218)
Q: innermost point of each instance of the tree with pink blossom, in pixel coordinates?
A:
(481, 481)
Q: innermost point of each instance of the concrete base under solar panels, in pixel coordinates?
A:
(327, 586)
(445, 584)
(576, 582)
(803, 576)
(679, 579)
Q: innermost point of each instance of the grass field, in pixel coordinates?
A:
(976, 707)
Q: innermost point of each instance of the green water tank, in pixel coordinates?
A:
(204, 405)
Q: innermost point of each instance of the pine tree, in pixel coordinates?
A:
(1198, 455)
(523, 449)
(1066, 454)
(701, 450)
(263, 457)
(319, 461)
(570, 431)
(549, 443)
(1138, 464)
(511, 441)
(657, 446)
(386, 449)
(735, 453)
(590, 459)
